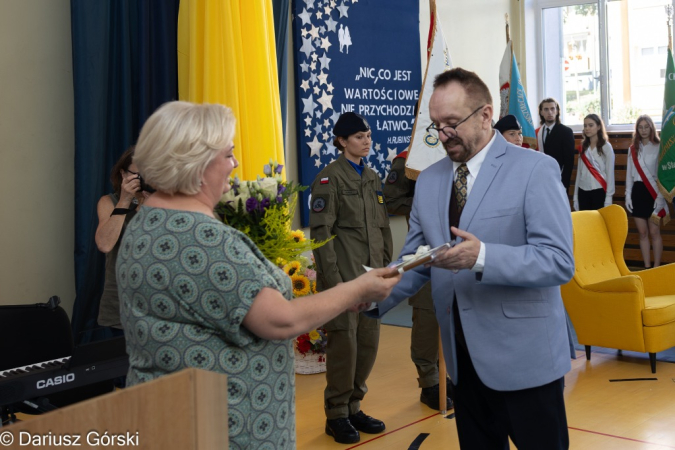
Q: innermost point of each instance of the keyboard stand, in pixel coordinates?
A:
(7, 415)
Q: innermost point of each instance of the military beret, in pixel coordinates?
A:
(507, 123)
(350, 123)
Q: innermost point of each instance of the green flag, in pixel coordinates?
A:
(666, 170)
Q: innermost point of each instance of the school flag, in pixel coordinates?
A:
(666, 169)
(354, 56)
(513, 97)
(425, 149)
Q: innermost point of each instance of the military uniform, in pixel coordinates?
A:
(350, 207)
(399, 191)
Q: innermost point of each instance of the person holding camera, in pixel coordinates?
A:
(115, 210)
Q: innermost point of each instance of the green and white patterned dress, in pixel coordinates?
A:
(186, 281)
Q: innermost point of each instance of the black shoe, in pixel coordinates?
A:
(342, 431)
(365, 423)
(431, 397)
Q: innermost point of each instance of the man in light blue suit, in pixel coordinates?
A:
(497, 291)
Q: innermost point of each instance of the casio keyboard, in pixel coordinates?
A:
(90, 363)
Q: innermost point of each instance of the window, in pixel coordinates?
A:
(604, 56)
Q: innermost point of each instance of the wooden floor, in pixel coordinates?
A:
(627, 415)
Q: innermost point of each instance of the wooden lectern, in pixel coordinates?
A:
(186, 410)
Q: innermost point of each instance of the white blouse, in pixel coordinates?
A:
(648, 157)
(605, 165)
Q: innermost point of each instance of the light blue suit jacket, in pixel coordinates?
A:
(512, 314)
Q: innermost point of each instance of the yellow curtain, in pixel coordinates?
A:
(227, 55)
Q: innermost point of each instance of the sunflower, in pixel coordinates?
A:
(292, 267)
(313, 287)
(298, 236)
(300, 285)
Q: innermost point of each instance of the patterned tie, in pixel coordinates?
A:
(461, 186)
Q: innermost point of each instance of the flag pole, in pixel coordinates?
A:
(442, 370)
(669, 23)
(665, 177)
(508, 32)
(432, 27)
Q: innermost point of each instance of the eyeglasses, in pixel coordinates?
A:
(132, 172)
(450, 131)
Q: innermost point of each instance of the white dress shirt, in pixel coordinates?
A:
(605, 165)
(648, 157)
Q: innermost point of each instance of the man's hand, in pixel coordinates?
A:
(462, 255)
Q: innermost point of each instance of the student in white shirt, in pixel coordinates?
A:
(594, 186)
(643, 198)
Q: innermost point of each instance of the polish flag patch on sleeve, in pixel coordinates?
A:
(324, 181)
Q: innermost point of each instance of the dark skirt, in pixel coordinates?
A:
(591, 200)
(643, 203)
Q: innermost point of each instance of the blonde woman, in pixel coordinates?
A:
(198, 293)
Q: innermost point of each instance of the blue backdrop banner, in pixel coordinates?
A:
(354, 55)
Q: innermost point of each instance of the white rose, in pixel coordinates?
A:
(244, 190)
(269, 187)
(228, 196)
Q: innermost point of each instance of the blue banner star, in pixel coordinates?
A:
(330, 23)
(343, 10)
(307, 47)
(309, 105)
(306, 17)
(325, 62)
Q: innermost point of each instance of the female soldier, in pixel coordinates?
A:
(347, 203)
(510, 128)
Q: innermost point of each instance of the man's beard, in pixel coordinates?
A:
(464, 154)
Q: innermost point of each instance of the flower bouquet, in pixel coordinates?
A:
(263, 210)
(310, 348)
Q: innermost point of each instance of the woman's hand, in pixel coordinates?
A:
(381, 282)
(131, 184)
(660, 204)
(629, 202)
(374, 287)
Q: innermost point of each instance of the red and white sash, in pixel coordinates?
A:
(592, 169)
(663, 213)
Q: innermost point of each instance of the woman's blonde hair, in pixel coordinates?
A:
(177, 143)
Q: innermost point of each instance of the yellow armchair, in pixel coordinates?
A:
(609, 305)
